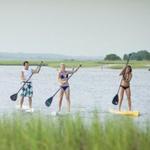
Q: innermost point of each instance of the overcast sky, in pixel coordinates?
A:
(75, 27)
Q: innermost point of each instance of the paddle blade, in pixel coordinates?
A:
(14, 97)
(115, 100)
(48, 101)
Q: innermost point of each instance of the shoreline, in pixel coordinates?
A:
(85, 63)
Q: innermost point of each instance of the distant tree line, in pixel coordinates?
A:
(140, 55)
(112, 57)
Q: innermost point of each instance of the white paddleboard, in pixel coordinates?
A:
(29, 110)
(25, 108)
(54, 113)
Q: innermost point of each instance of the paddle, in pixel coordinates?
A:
(116, 97)
(49, 100)
(14, 96)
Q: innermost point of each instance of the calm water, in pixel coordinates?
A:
(91, 89)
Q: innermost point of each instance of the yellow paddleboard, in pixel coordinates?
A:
(126, 113)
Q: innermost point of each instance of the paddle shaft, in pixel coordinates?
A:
(67, 79)
(28, 78)
(121, 79)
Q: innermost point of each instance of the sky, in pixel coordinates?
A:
(75, 27)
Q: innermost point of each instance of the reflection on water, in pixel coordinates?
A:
(91, 89)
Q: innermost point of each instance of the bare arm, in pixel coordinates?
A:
(123, 71)
(129, 77)
(37, 70)
(22, 76)
(72, 71)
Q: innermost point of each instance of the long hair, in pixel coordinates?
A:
(130, 68)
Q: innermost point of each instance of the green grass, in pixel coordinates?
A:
(134, 64)
(16, 62)
(74, 63)
(87, 63)
(72, 133)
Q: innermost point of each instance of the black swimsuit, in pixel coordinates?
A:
(124, 87)
(64, 87)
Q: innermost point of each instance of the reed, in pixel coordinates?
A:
(30, 132)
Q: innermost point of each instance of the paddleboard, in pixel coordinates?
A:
(54, 113)
(29, 110)
(25, 108)
(126, 113)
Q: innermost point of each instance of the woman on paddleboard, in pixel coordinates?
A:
(27, 90)
(63, 76)
(125, 86)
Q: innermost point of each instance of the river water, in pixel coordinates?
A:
(91, 89)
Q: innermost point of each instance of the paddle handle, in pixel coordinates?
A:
(29, 77)
(68, 79)
(75, 71)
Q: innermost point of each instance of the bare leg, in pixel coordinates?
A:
(30, 102)
(67, 94)
(128, 93)
(121, 97)
(60, 99)
(21, 102)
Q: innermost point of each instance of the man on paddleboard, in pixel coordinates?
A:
(27, 90)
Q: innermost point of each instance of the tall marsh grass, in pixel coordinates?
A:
(72, 133)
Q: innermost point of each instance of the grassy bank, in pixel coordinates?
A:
(55, 64)
(67, 133)
(87, 63)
